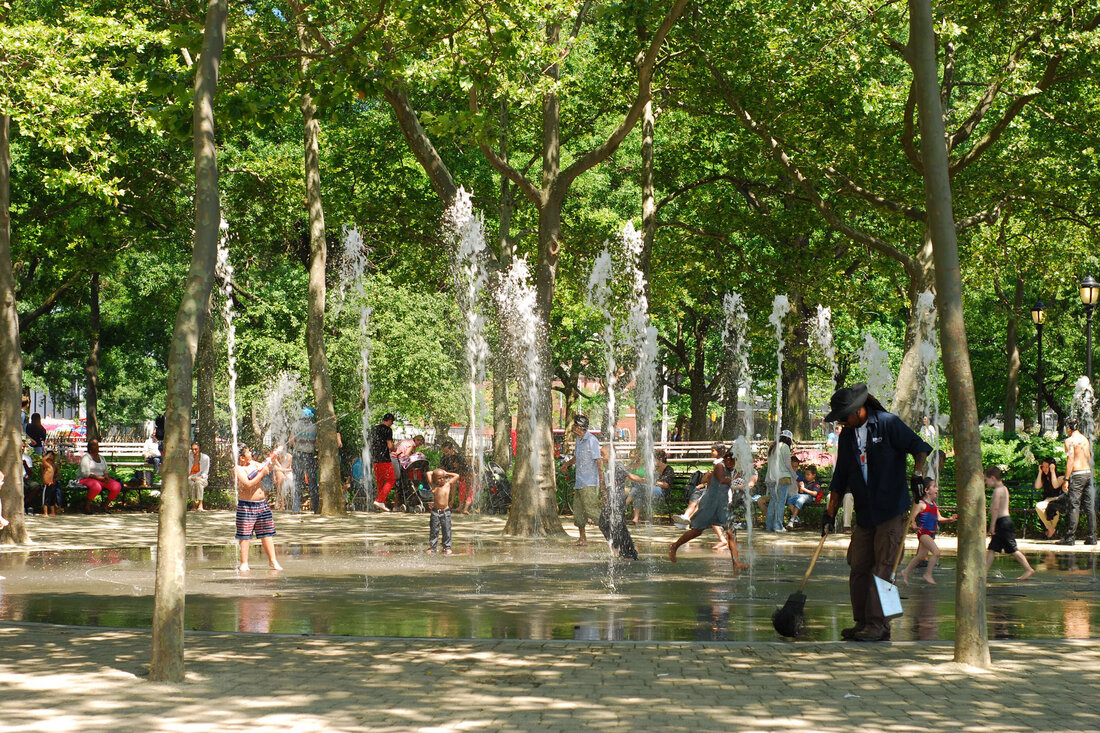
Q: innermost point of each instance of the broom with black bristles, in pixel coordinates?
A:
(789, 620)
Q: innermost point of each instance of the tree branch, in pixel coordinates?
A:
(743, 186)
(26, 319)
(724, 239)
(597, 155)
(1010, 114)
(989, 216)
(909, 131)
(909, 212)
(530, 190)
(780, 155)
(421, 145)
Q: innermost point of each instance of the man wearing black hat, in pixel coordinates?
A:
(871, 465)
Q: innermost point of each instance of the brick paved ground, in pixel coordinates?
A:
(73, 679)
(77, 679)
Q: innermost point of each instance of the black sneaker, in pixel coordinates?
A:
(1066, 541)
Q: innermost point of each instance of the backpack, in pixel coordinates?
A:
(691, 483)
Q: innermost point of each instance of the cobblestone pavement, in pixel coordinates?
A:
(78, 679)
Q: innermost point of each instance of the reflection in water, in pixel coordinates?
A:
(254, 614)
(926, 622)
(1076, 615)
(508, 590)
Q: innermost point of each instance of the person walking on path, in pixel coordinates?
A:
(871, 465)
(1081, 488)
(1001, 530)
(589, 476)
(381, 446)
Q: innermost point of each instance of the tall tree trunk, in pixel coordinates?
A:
(328, 454)
(91, 366)
(908, 388)
(649, 197)
(540, 491)
(170, 593)
(502, 371)
(1012, 355)
(11, 361)
(971, 642)
(502, 415)
(796, 387)
(697, 382)
(730, 417)
(534, 508)
(207, 368)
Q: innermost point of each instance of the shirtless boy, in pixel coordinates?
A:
(1079, 482)
(1000, 525)
(442, 483)
(253, 513)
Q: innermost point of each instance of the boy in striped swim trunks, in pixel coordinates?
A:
(253, 513)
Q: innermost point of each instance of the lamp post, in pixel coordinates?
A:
(1038, 315)
(1090, 294)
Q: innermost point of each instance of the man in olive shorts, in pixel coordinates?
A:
(589, 477)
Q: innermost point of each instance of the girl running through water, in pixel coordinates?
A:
(926, 522)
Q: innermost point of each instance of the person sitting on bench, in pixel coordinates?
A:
(150, 451)
(93, 475)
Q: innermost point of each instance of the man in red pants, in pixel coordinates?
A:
(381, 445)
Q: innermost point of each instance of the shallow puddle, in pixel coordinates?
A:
(508, 590)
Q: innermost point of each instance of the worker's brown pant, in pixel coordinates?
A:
(873, 551)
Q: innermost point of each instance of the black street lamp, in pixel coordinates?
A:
(1038, 316)
(1090, 294)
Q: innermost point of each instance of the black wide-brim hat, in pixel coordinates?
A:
(845, 401)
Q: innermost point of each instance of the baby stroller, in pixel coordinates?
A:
(499, 489)
(415, 493)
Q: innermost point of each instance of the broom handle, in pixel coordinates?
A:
(901, 549)
(813, 561)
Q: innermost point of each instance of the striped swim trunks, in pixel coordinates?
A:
(254, 516)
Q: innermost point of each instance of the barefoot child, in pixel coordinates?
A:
(926, 522)
(712, 507)
(442, 483)
(253, 513)
(1000, 524)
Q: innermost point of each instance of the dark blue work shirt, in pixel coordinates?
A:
(885, 493)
